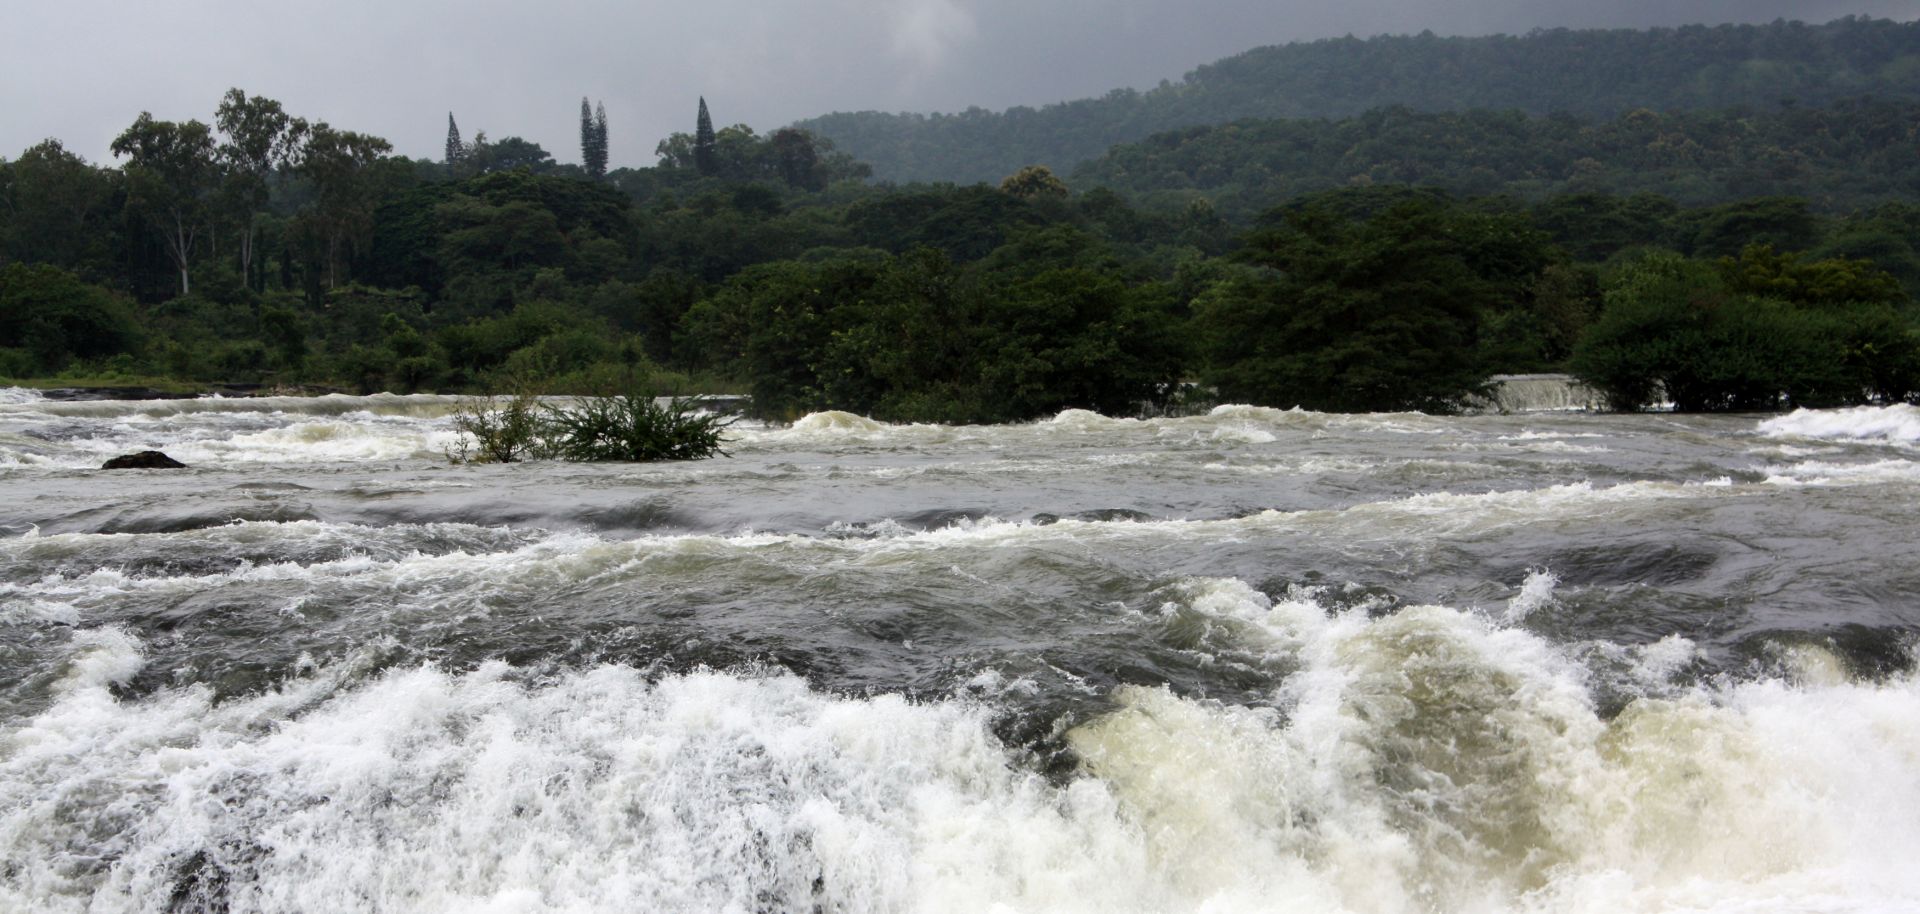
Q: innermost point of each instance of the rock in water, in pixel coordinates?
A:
(145, 460)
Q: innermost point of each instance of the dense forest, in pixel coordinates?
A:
(1853, 155)
(1395, 260)
(1588, 73)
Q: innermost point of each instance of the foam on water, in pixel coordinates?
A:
(326, 440)
(1897, 424)
(576, 557)
(1229, 425)
(1424, 760)
(383, 404)
(1827, 473)
(241, 717)
(598, 791)
(1535, 593)
(216, 437)
(1430, 761)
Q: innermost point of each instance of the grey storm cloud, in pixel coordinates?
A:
(81, 70)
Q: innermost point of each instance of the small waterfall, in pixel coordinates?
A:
(1533, 393)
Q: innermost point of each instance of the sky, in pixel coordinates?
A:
(82, 70)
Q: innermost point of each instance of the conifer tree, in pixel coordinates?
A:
(593, 140)
(455, 149)
(600, 136)
(706, 151)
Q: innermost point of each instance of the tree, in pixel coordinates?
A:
(485, 156)
(55, 201)
(1034, 182)
(706, 153)
(600, 135)
(795, 158)
(172, 171)
(456, 151)
(260, 140)
(593, 140)
(1366, 316)
(338, 163)
(54, 317)
(1730, 337)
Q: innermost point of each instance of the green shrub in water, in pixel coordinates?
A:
(631, 427)
(619, 427)
(498, 430)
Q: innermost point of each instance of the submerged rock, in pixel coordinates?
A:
(145, 460)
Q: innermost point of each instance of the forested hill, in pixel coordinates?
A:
(1591, 73)
(1852, 155)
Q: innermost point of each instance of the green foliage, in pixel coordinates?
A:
(1375, 315)
(917, 338)
(171, 178)
(593, 140)
(1853, 154)
(1589, 73)
(629, 427)
(48, 317)
(964, 222)
(632, 428)
(1034, 182)
(1762, 271)
(706, 156)
(455, 149)
(316, 257)
(511, 154)
(55, 208)
(1701, 335)
(498, 430)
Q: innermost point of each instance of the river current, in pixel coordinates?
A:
(1255, 660)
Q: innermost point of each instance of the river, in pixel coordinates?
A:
(1255, 660)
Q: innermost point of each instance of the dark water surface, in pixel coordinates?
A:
(1255, 660)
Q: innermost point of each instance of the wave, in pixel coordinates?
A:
(1430, 759)
(1897, 424)
(1417, 518)
(1825, 473)
(384, 404)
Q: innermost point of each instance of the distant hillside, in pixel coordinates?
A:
(1591, 73)
(1852, 155)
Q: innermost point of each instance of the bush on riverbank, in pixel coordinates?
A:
(1754, 333)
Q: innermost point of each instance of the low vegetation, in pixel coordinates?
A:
(622, 427)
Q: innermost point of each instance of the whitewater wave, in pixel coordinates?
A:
(1419, 518)
(1897, 424)
(1429, 759)
(1223, 425)
(1825, 473)
(383, 404)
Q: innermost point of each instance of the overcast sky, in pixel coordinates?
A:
(82, 70)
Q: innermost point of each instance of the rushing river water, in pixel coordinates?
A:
(1250, 661)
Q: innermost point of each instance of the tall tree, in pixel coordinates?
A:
(456, 150)
(49, 209)
(593, 140)
(706, 152)
(600, 135)
(796, 158)
(260, 140)
(172, 172)
(338, 163)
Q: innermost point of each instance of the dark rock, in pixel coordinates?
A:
(145, 460)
